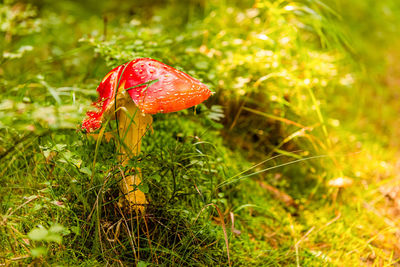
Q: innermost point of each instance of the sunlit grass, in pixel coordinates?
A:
(304, 95)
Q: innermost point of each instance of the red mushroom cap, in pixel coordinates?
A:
(152, 85)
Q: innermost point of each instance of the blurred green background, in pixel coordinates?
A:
(306, 100)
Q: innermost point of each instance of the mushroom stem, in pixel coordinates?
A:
(132, 125)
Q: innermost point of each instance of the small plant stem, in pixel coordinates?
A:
(132, 124)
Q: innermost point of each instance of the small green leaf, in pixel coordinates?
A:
(39, 251)
(142, 264)
(85, 170)
(144, 188)
(157, 177)
(57, 228)
(38, 234)
(54, 237)
(46, 153)
(75, 229)
(76, 162)
(59, 147)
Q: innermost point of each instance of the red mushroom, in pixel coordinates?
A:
(145, 86)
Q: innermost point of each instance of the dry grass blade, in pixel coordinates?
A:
(273, 117)
(223, 225)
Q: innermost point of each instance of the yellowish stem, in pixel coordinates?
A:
(132, 124)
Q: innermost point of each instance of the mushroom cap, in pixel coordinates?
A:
(152, 85)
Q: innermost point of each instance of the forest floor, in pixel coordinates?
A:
(306, 97)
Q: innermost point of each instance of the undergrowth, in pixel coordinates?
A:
(243, 179)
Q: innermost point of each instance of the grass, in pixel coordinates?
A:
(303, 95)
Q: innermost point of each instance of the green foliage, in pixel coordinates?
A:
(296, 83)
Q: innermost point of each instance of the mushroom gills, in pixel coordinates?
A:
(132, 125)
